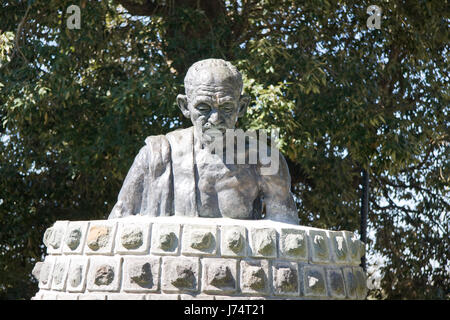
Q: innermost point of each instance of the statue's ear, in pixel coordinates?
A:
(243, 104)
(183, 105)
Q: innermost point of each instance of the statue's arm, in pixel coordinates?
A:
(277, 196)
(130, 196)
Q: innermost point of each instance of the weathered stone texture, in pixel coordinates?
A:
(141, 274)
(199, 240)
(171, 259)
(294, 244)
(180, 274)
(263, 242)
(285, 278)
(165, 239)
(319, 246)
(314, 282)
(234, 243)
(219, 275)
(255, 277)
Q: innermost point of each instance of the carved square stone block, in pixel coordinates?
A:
(45, 275)
(350, 282)
(314, 281)
(336, 284)
(141, 274)
(219, 275)
(76, 279)
(354, 247)
(294, 244)
(199, 240)
(133, 237)
(100, 237)
(104, 274)
(361, 283)
(233, 241)
(59, 273)
(339, 247)
(180, 274)
(75, 236)
(263, 242)
(165, 239)
(255, 277)
(320, 252)
(285, 278)
(53, 237)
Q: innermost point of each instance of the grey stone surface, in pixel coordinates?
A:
(354, 247)
(195, 267)
(127, 296)
(336, 283)
(361, 282)
(92, 297)
(233, 241)
(219, 275)
(53, 237)
(45, 276)
(350, 283)
(141, 274)
(100, 237)
(49, 295)
(285, 278)
(314, 281)
(255, 277)
(37, 270)
(133, 238)
(180, 274)
(263, 242)
(320, 252)
(294, 244)
(196, 297)
(60, 274)
(74, 237)
(76, 280)
(66, 296)
(339, 247)
(165, 239)
(199, 240)
(157, 296)
(104, 274)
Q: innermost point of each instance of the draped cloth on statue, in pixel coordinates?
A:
(161, 181)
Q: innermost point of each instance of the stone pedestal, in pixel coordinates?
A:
(144, 258)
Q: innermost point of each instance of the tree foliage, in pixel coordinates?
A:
(76, 106)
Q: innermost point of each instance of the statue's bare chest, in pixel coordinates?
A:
(225, 189)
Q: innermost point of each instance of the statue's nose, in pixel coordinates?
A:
(214, 118)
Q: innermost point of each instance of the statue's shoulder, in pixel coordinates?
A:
(158, 145)
(180, 134)
(162, 144)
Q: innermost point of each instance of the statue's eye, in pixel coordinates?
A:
(228, 107)
(202, 107)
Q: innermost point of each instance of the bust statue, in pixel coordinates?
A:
(178, 174)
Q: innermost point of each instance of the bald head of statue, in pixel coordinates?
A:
(213, 98)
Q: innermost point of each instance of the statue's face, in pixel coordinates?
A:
(213, 103)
